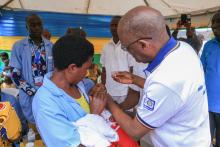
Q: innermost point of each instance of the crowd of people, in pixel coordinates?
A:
(152, 90)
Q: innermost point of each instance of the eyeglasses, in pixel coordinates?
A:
(125, 48)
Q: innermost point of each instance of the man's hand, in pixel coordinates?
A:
(123, 77)
(98, 102)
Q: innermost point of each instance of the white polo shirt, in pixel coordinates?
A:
(175, 101)
(113, 58)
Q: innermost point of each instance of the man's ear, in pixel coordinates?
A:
(144, 44)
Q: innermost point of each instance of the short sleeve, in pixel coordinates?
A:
(158, 105)
(15, 60)
(55, 129)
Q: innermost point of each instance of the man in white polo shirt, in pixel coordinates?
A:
(113, 59)
(173, 109)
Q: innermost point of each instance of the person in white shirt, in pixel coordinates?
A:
(173, 109)
(114, 59)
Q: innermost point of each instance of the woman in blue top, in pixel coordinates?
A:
(54, 105)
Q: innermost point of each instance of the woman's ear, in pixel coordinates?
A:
(72, 68)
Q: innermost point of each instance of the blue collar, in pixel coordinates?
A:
(164, 51)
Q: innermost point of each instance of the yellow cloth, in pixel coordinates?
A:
(37, 143)
(83, 103)
(9, 121)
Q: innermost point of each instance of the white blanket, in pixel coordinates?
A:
(95, 131)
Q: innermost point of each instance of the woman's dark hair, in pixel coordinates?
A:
(76, 32)
(71, 49)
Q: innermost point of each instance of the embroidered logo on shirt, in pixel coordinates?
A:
(149, 103)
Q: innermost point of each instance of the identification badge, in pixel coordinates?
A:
(38, 80)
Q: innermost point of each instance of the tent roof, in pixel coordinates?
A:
(114, 7)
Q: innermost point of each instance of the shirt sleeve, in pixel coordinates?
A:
(54, 127)
(21, 83)
(15, 63)
(15, 60)
(158, 105)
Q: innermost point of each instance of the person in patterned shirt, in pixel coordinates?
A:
(31, 59)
